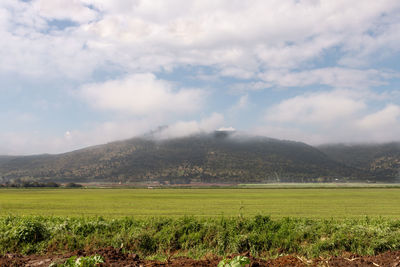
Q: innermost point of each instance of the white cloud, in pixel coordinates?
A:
(387, 117)
(113, 6)
(73, 10)
(227, 129)
(185, 128)
(46, 57)
(237, 72)
(237, 38)
(323, 108)
(334, 76)
(142, 94)
(383, 125)
(286, 133)
(329, 117)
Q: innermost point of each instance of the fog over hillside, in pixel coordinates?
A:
(217, 157)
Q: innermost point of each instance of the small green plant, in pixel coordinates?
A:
(74, 261)
(238, 261)
(30, 231)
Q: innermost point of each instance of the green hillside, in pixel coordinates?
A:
(217, 157)
(381, 160)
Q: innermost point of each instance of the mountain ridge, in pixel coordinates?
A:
(221, 156)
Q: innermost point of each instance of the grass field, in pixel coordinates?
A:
(310, 203)
(268, 222)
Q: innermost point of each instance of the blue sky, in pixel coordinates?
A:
(75, 73)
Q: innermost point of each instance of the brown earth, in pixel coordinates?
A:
(115, 257)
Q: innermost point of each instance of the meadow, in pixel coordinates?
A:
(158, 223)
(317, 203)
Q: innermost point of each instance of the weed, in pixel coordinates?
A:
(30, 231)
(238, 261)
(196, 236)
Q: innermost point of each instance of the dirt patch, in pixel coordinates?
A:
(390, 259)
(115, 257)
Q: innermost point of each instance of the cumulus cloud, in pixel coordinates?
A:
(336, 116)
(389, 116)
(236, 38)
(29, 51)
(324, 107)
(141, 94)
(382, 125)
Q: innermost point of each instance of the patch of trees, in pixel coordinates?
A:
(28, 184)
(35, 184)
(73, 185)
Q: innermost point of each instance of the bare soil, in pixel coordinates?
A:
(115, 257)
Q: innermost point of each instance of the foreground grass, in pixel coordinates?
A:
(195, 237)
(309, 203)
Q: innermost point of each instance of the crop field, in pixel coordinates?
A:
(163, 224)
(317, 203)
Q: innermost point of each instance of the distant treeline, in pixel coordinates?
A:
(31, 184)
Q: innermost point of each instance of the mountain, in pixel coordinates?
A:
(218, 157)
(382, 161)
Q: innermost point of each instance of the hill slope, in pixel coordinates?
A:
(381, 160)
(214, 157)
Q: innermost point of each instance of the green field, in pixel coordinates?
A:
(300, 202)
(268, 222)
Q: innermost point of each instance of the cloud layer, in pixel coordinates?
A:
(141, 94)
(335, 116)
(239, 39)
(311, 70)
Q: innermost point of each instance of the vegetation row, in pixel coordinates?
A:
(194, 237)
(34, 184)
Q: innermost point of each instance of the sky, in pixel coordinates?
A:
(75, 73)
